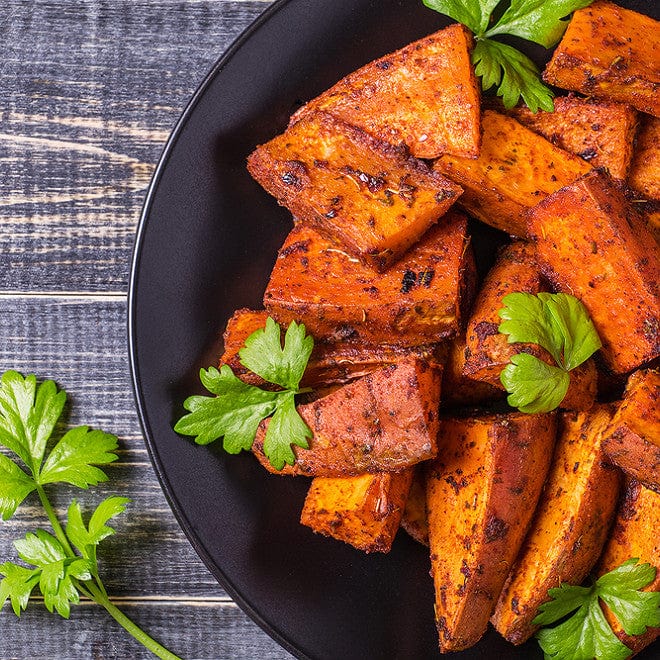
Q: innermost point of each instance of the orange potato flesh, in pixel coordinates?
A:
(588, 223)
(329, 364)
(488, 351)
(481, 493)
(635, 534)
(418, 301)
(597, 131)
(633, 439)
(570, 524)
(414, 520)
(424, 96)
(610, 52)
(367, 195)
(515, 170)
(645, 169)
(384, 422)
(364, 511)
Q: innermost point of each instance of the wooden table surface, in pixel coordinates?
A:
(90, 91)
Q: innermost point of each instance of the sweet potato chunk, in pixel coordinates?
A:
(488, 352)
(330, 363)
(635, 534)
(364, 511)
(481, 492)
(458, 389)
(414, 520)
(645, 169)
(415, 302)
(515, 170)
(633, 439)
(424, 96)
(588, 223)
(570, 524)
(599, 132)
(384, 422)
(365, 194)
(610, 52)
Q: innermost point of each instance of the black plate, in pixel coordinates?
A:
(206, 243)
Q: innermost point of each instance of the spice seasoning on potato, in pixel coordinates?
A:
(417, 301)
(516, 168)
(570, 524)
(481, 493)
(368, 195)
(384, 422)
(589, 223)
(644, 175)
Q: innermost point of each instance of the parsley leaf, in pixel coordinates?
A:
(15, 486)
(561, 325)
(474, 15)
(533, 385)
(513, 73)
(587, 634)
(17, 585)
(238, 408)
(537, 20)
(501, 65)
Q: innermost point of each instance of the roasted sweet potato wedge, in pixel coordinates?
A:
(364, 511)
(415, 302)
(645, 169)
(515, 170)
(458, 389)
(610, 52)
(384, 422)
(488, 352)
(588, 223)
(481, 492)
(330, 364)
(570, 525)
(414, 520)
(366, 194)
(635, 534)
(633, 439)
(424, 96)
(599, 132)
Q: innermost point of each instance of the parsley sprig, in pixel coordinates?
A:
(501, 65)
(558, 322)
(586, 634)
(64, 564)
(237, 408)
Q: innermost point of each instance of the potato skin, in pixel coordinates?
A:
(589, 223)
(488, 352)
(416, 302)
(599, 132)
(384, 422)
(481, 493)
(330, 364)
(632, 440)
(365, 194)
(511, 173)
(610, 52)
(424, 96)
(645, 169)
(570, 524)
(364, 511)
(635, 534)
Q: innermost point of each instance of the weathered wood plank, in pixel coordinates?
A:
(91, 91)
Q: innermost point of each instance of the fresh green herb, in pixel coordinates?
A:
(238, 408)
(587, 634)
(64, 564)
(557, 322)
(503, 66)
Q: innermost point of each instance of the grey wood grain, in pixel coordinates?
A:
(91, 90)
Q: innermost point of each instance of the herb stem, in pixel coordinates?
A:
(131, 628)
(55, 523)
